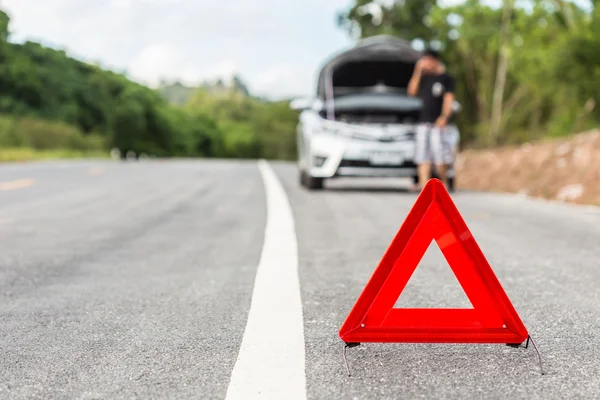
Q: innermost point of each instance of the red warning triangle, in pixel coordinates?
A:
(492, 319)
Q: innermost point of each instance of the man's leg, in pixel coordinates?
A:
(441, 152)
(442, 169)
(422, 154)
(424, 173)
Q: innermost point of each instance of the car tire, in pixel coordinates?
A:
(451, 181)
(313, 183)
(451, 184)
(302, 178)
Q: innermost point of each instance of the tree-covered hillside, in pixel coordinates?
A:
(50, 100)
(179, 94)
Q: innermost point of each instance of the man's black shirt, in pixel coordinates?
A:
(431, 91)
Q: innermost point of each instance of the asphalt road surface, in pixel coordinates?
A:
(223, 280)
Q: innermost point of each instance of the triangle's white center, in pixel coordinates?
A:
(433, 284)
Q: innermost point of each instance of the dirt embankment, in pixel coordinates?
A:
(564, 169)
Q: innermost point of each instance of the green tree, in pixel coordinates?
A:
(51, 100)
(406, 19)
(525, 70)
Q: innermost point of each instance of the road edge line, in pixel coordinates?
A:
(271, 358)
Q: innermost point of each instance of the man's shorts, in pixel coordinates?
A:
(433, 145)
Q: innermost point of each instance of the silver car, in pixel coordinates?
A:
(362, 122)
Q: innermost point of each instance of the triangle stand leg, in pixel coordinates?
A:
(537, 351)
(530, 339)
(348, 345)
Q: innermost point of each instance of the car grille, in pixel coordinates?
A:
(367, 164)
(385, 139)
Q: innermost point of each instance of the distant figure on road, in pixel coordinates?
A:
(435, 87)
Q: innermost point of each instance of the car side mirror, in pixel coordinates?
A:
(300, 104)
(317, 105)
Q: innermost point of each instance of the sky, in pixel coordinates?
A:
(275, 46)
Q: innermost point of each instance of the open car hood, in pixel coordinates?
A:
(378, 60)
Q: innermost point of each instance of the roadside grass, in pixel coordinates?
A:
(13, 154)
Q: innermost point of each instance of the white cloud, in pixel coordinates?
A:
(286, 80)
(120, 3)
(163, 61)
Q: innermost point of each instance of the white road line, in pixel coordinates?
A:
(270, 364)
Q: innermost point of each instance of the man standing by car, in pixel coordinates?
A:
(435, 87)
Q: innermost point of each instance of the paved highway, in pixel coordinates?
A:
(222, 280)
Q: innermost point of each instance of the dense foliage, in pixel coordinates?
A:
(526, 70)
(49, 100)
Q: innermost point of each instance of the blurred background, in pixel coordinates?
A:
(188, 78)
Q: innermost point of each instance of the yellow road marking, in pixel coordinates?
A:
(96, 171)
(22, 183)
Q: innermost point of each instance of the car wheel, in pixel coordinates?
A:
(451, 186)
(313, 183)
(302, 178)
(451, 181)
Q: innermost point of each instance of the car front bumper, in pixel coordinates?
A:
(334, 156)
(353, 168)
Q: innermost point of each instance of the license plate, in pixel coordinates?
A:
(386, 158)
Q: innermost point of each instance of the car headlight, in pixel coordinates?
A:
(322, 130)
